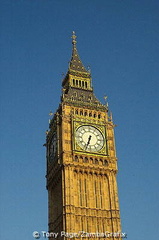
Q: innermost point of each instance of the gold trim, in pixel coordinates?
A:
(101, 128)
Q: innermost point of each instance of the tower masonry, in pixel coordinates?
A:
(81, 161)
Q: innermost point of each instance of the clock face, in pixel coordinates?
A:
(89, 138)
(53, 147)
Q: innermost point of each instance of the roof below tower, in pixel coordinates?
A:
(82, 98)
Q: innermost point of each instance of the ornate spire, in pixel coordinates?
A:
(77, 69)
(75, 63)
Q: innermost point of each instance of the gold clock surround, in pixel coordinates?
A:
(100, 128)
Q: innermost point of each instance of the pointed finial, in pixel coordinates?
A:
(74, 38)
(89, 69)
(46, 132)
(105, 98)
(51, 113)
(111, 117)
(106, 102)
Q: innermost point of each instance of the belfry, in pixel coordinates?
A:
(81, 161)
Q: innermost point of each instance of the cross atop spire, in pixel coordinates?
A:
(74, 38)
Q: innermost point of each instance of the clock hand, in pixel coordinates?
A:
(89, 139)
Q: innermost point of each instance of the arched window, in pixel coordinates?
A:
(96, 161)
(105, 163)
(90, 97)
(76, 82)
(73, 81)
(100, 162)
(80, 193)
(86, 84)
(85, 159)
(85, 192)
(76, 158)
(80, 83)
(81, 159)
(96, 193)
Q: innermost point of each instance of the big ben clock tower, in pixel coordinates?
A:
(81, 162)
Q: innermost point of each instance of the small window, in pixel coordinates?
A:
(85, 159)
(76, 112)
(76, 158)
(90, 98)
(80, 83)
(76, 82)
(86, 84)
(85, 113)
(81, 112)
(105, 163)
(73, 81)
(101, 162)
(96, 161)
(90, 114)
(99, 116)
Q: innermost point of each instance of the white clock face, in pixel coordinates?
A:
(89, 138)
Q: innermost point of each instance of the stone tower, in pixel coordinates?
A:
(81, 161)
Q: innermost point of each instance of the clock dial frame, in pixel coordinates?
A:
(53, 148)
(89, 138)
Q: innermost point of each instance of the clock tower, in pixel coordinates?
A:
(81, 161)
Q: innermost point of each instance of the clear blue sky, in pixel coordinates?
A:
(119, 40)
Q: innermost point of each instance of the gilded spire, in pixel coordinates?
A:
(77, 69)
(75, 63)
